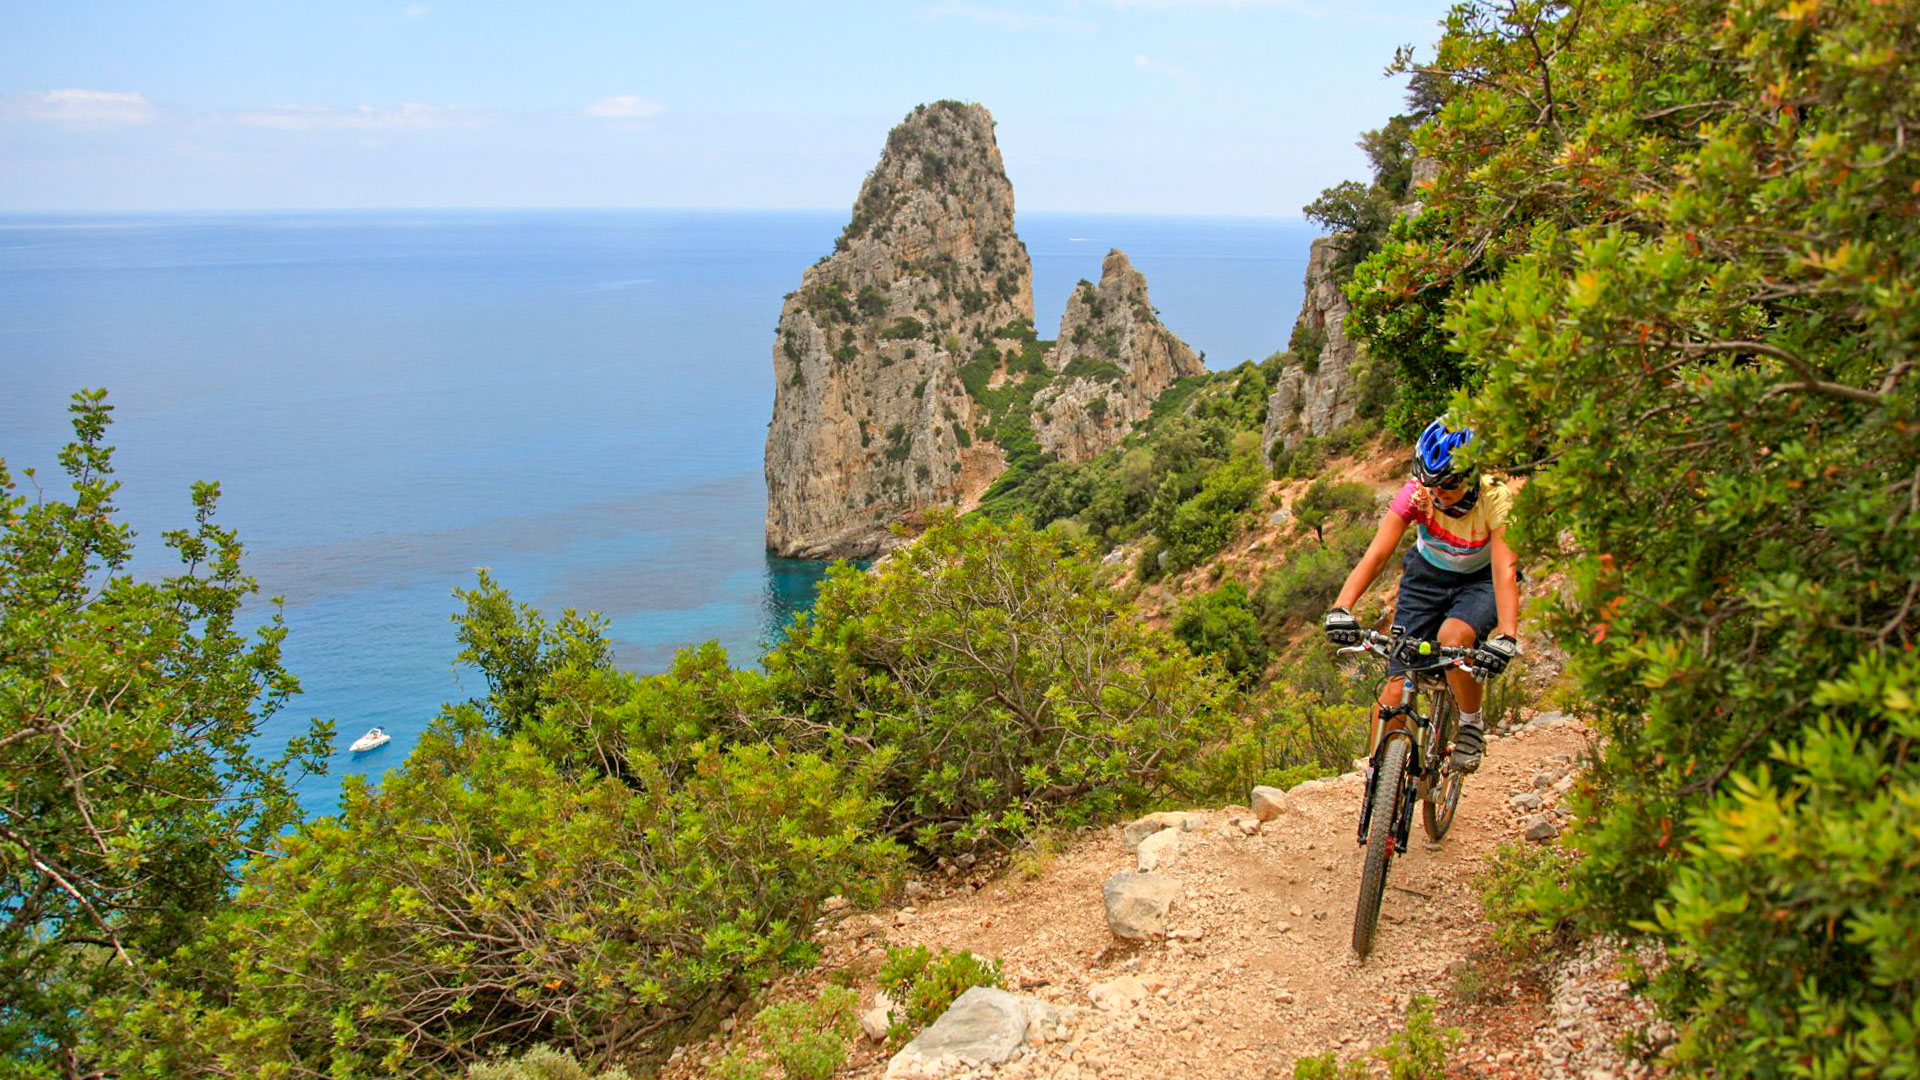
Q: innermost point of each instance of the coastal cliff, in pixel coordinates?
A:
(1112, 360)
(1315, 393)
(871, 422)
(907, 371)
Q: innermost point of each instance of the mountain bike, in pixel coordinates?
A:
(1412, 762)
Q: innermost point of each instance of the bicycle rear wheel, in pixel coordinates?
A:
(1443, 795)
(1389, 787)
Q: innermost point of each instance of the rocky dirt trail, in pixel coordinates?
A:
(1256, 968)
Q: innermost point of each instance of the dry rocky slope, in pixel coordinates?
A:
(872, 420)
(1255, 968)
(1114, 359)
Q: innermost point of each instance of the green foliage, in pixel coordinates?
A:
(905, 328)
(1685, 275)
(1309, 721)
(1221, 624)
(130, 713)
(1328, 1066)
(1522, 890)
(1201, 525)
(1419, 1050)
(519, 653)
(925, 985)
(1328, 500)
(993, 684)
(541, 1063)
(1305, 584)
(602, 873)
(810, 1039)
(1305, 345)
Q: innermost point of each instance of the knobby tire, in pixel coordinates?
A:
(1388, 785)
(1443, 795)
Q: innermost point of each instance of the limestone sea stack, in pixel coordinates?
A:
(871, 423)
(1113, 359)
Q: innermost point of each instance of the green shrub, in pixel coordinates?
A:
(1202, 525)
(485, 898)
(1307, 583)
(540, 1063)
(1328, 1066)
(810, 1039)
(905, 328)
(1522, 890)
(1221, 623)
(1303, 459)
(925, 985)
(991, 683)
(1327, 501)
(738, 1063)
(1419, 1051)
(1305, 344)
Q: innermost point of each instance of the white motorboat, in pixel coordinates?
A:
(373, 739)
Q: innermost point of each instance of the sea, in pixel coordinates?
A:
(576, 401)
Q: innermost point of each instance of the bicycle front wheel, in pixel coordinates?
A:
(1389, 788)
(1443, 795)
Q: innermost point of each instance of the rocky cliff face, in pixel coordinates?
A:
(871, 422)
(1113, 359)
(1315, 394)
(906, 365)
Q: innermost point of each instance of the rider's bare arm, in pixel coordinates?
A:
(1506, 586)
(1385, 539)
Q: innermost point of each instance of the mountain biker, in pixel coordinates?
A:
(1459, 586)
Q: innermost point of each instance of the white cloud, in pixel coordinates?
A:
(625, 107)
(84, 108)
(416, 12)
(409, 116)
(1012, 20)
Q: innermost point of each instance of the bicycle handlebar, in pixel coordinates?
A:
(1412, 649)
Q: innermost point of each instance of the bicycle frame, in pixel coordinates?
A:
(1423, 682)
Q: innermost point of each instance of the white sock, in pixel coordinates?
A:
(1469, 719)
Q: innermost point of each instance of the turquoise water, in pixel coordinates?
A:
(577, 401)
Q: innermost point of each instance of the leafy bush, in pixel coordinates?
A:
(132, 778)
(540, 1063)
(810, 1039)
(1305, 584)
(1221, 623)
(925, 985)
(486, 898)
(991, 683)
(1713, 316)
(1327, 500)
(1202, 525)
(1419, 1050)
(1328, 1066)
(1521, 889)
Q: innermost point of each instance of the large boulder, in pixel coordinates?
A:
(984, 1026)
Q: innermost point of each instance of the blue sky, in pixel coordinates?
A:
(1242, 107)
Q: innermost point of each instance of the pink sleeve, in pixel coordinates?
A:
(1402, 505)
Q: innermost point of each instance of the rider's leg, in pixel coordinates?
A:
(1470, 741)
(1458, 634)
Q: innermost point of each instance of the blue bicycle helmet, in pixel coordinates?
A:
(1433, 455)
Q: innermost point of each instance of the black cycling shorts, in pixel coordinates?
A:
(1430, 596)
